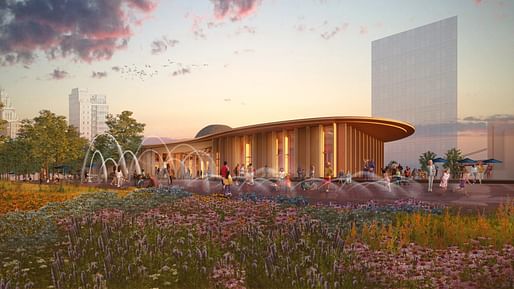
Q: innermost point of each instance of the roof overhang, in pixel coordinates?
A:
(383, 129)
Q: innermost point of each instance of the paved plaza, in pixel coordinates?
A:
(486, 196)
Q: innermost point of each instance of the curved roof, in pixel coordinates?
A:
(383, 129)
(213, 128)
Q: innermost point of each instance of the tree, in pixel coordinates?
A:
(15, 157)
(424, 158)
(76, 148)
(127, 132)
(51, 141)
(453, 156)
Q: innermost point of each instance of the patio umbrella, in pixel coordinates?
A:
(439, 160)
(467, 161)
(491, 161)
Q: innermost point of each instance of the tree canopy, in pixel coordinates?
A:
(424, 158)
(453, 156)
(42, 143)
(127, 131)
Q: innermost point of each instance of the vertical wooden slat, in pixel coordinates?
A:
(308, 161)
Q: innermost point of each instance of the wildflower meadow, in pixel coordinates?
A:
(171, 238)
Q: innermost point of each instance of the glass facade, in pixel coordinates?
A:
(248, 153)
(280, 150)
(414, 79)
(328, 145)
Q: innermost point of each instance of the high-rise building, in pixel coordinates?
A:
(8, 113)
(88, 112)
(500, 138)
(414, 79)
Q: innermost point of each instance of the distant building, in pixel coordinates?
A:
(88, 112)
(414, 78)
(8, 113)
(500, 139)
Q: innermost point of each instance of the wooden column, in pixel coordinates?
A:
(321, 150)
(308, 149)
(296, 149)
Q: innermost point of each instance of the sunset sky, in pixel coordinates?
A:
(181, 65)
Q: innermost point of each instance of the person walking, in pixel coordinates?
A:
(171, 176)
(371, 168)
(464, 178)
(226, 179)
(431, 174)
(281, 178)
(474, 173)
(387, 180)
(313, 171)
(119, 178)
(348, 179)
(250, 173)
(242, 171)
(328, 176)
(481, 171)
(236, 171)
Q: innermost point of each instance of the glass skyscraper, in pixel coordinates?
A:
(414, 79)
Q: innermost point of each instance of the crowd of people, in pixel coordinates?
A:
(281, 180)
(395, 173)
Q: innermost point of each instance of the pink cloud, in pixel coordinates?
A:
(85, 30)
(234, 9)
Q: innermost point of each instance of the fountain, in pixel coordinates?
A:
(121, 163)
(265, 182)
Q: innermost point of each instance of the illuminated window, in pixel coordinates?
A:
(248, 153)
(328, 145)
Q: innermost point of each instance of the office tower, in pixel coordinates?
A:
(8, 113)
(88, 112)
(414, 79)
(500, 138)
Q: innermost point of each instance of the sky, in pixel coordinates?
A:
(181, 65)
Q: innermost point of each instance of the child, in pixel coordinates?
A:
(387, 180)
(444, 180)
(464, 178)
